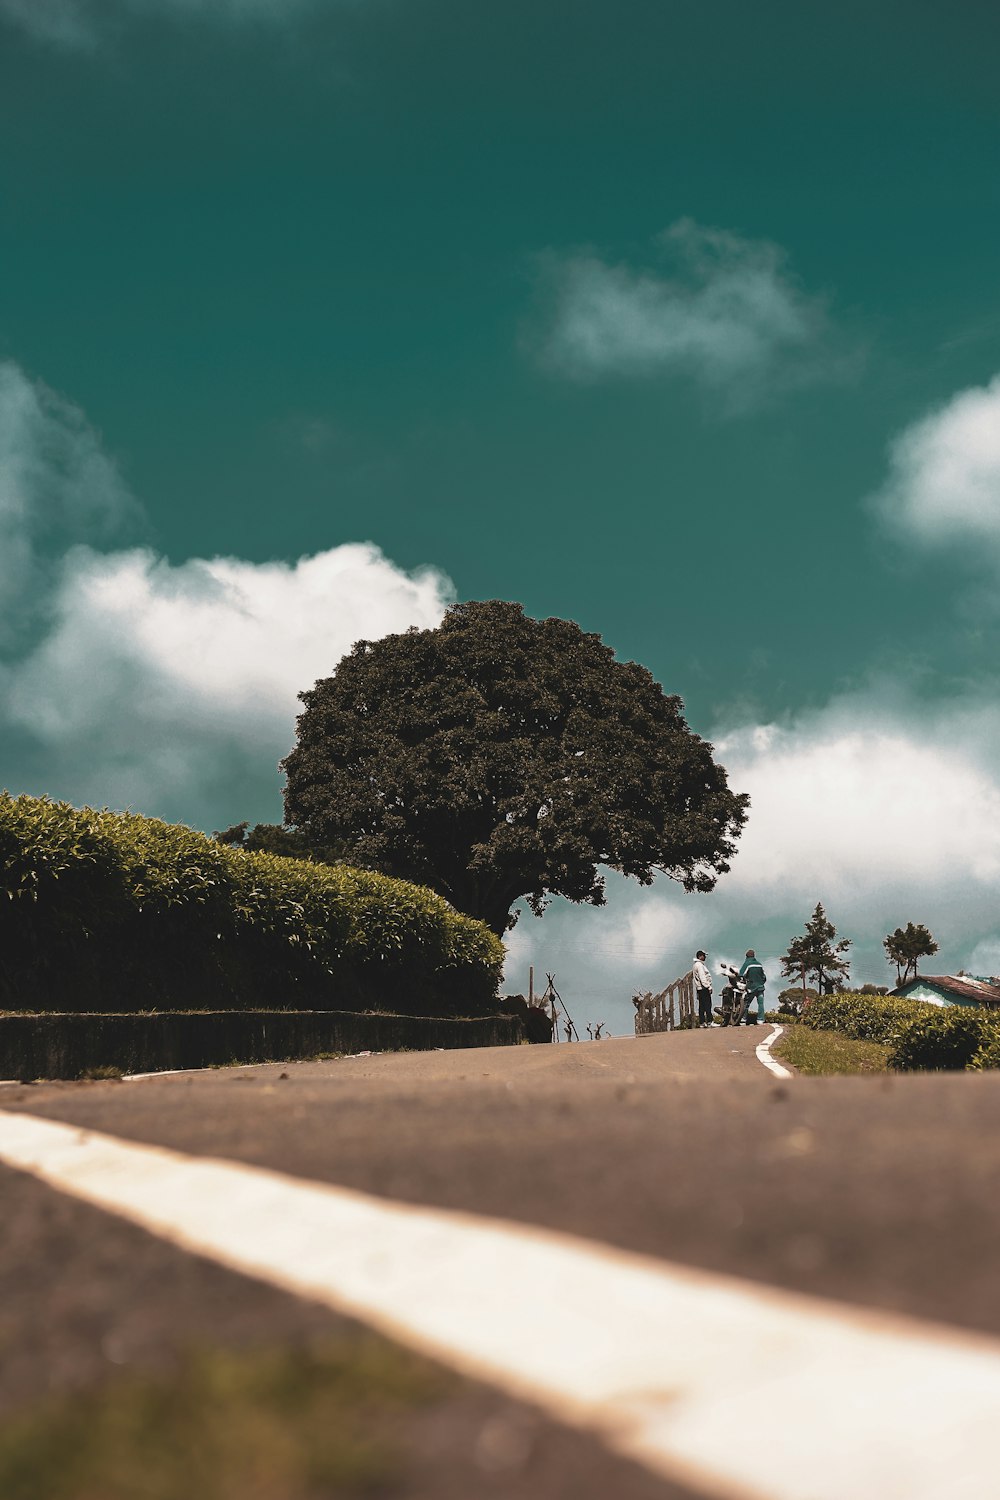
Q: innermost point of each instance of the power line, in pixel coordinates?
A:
(613, 953)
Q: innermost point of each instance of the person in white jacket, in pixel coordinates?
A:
(703, 988)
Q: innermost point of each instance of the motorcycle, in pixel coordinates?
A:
(734, 996)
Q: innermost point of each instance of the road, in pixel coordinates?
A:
(873, 1192)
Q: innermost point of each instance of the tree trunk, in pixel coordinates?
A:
(496, 914)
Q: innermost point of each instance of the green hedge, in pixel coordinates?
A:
(921, 1035)
(112, 911)
(988, 1055)
(948, 1039)
(866, 1018)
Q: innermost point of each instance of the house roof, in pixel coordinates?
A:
(962, 986)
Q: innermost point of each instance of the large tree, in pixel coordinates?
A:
(816, 951)
(499, 757)
(906, 946)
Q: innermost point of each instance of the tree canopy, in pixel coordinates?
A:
(500, 757)
(291, 843)
(816, 951)
(906, 946)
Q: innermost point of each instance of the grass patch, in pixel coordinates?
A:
(288, 1424)
(815, 1052)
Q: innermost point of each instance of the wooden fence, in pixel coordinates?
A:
(671, 1008)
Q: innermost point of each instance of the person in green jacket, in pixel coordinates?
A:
(753, 972)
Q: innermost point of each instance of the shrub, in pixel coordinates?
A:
(949, 1037)
(866, 1018)
(988, 1055)
(538, 1024)
(112, 911)
(921, 1035)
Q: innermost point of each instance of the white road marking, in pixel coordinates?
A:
(162, 1073)
(273, 1062)
(678, 1369)
(764, 1055)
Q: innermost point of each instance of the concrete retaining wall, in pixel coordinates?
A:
(67, 1046)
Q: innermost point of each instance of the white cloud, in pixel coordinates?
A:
(223, 10)
(238, 637)
(886, 810)
(729, 315)
(57, 486)
(172, 688)
(52, 464)
(985, 957)
(79, 24)
(520, 953)
(849, 810)
(65, 23)
(944, 479)
(655, 928)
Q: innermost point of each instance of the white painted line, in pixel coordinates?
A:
(764, 1055)
(161, 1073)
(224, 1068)
(678, 1369)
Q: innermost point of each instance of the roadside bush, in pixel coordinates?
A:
(535, 1019)
(113, 912)
(921, 1035)
(988, 1055)
(866, 1018)
(949, 1038)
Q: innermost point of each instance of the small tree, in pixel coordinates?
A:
(817, 952)
(906, 946)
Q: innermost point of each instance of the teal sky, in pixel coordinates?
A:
(308, 275)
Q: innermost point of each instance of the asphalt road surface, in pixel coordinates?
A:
(874, 1191)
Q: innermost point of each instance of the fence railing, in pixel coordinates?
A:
(667, 1010)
